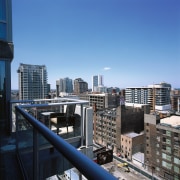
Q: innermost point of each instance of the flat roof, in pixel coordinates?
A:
(172, 120)
(132, 134)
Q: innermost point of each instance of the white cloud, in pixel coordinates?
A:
(106, 68)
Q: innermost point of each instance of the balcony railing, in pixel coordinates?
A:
(43, 153)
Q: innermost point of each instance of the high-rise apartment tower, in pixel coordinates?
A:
(32, 81)
(157, 96)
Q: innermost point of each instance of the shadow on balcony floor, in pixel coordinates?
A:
(9, 167)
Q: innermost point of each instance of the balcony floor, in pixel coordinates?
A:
(9, 167)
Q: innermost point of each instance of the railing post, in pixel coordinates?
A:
(17, 125)
(82, 125)
(35, 155)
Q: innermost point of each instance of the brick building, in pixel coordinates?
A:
(162, 150)
(110, 124)
(131, 143)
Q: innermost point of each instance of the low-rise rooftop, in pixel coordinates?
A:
(173, 121)
(132, 134)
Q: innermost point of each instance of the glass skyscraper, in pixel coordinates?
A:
(32, 81)
(6, 57)
(97, 80)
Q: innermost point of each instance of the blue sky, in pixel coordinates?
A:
(129, 42)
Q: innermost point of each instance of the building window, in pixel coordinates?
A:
(175, 134)
(166, 165)
(2, 90)
(176, 177)
(168, 133)
(168, 149)
(165, 156)
(176, 160)
(168, 141)
(164, 147)
(164, 131)
(164, 139)
(176, 169)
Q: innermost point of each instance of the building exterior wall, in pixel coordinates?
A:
(105, 129)
(109, 125)
(131, 145)
(150, 121)
(6, 57)
(97, 100)
(102, 101)
(168, 152)
(162, 148)
(64, 85)
(32, 81)
(175, 95)
(80, 86)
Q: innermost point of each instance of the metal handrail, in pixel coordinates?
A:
(85, 165)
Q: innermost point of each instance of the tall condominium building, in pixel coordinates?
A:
(6, 57)
(162, 146)
(80, 86)
(97, 80)
(157, 96)
(64, 85)
(32, 81)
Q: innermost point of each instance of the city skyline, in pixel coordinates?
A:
(130, 43)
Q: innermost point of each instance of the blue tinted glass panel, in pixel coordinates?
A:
(2, 90)
(3, 31)
(2, 10)
(2, 75)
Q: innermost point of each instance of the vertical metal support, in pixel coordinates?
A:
(10, 117)
(17, 125)
(82, 125)
(35, 155)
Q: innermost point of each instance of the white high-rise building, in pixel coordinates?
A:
(97, 81)
(32, 81)
(157, 96)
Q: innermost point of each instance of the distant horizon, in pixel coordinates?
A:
(172, 88)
